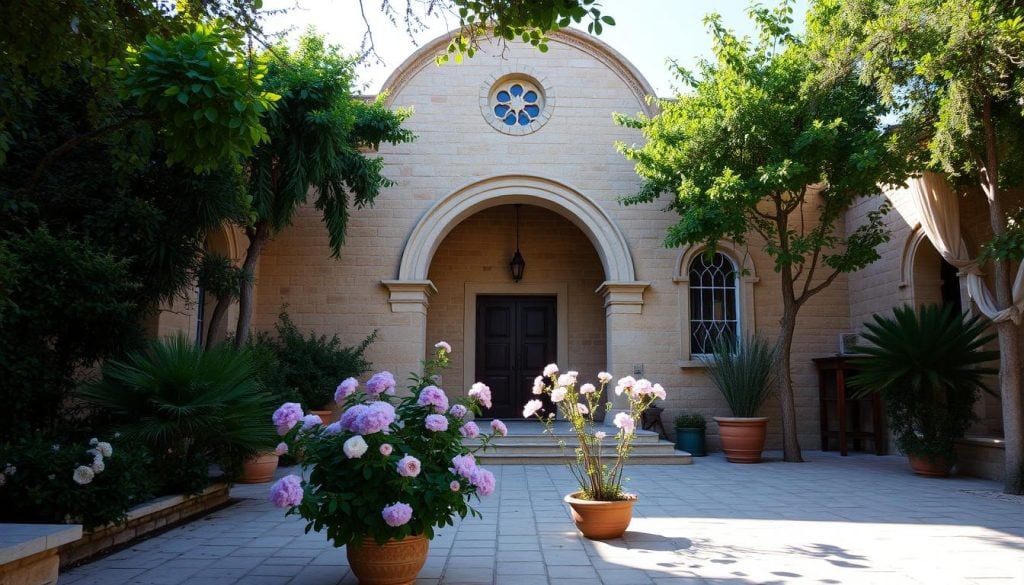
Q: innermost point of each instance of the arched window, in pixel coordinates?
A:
(714, 301)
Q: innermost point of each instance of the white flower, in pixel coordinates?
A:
(659, 392)
(55, 448)
(599, 435)
(642, 387)
(10, 469)
(538, 385)
(624, 384)
(625, 422)
(98, 466)
(83, 475)
(355, 447)
(566, 379)
(558, 394)
(531, 408)
(550, 370)
(105, 449)
(3, 479)
(604, 377)
(93, 442)
(443, 345)
(582, 408)
(587, 389)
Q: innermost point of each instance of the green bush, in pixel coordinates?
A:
(306, 368)
(38, 480)
(691, 421)
(191, 408)
(742, 372)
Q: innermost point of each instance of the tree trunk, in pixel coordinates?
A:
(259, 238)
(218, 328)
(1008, 331)
(784, 383)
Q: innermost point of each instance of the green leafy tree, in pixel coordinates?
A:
(757, 153)
(952, 70)
(318, 133)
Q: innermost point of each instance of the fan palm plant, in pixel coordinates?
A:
(190, 407)
(928, 367)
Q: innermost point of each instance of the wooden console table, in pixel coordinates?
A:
(847, 413)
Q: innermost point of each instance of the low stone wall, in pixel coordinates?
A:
(981, 457)
(29, 552)
(142, 520)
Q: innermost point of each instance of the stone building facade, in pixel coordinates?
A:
(515, 141)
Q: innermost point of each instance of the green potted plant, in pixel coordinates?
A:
(600, 508)
(928, 368)
(690, 430)
(742, 372)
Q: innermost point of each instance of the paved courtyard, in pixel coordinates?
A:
(856, 519)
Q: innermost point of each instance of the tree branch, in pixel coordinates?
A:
(810, 293)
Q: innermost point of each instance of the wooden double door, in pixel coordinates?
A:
(516, 336)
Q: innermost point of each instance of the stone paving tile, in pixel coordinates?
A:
(860, 519)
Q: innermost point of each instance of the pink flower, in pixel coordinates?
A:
(587, 389)
(287, 492)
(464, 465)
(455, 486)
(625, 422)
(531, 408)
(624, 384)
(470, 430)
(397, 514)
(408, 466)
(286, 417)
(659, 392)
(600, 435)
(604, 377)
(458, 411)
(482, 393)
(443, 346)
(351, 415)
(643, 387)
(582, 408)
(483, 480)
(386, 449)
(436, 423)
(345, 389)
(550, 370)
(499, 427)
(433, 396)
(381, 382)
(311, 420)
(281, 449)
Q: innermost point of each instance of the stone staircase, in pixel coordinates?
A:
(527, 443)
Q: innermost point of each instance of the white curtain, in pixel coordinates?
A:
(940, 220)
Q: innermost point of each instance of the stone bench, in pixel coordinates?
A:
(981, 457)
(29, 553)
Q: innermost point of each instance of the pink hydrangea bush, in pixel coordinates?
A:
(392, 465)
(598, 479)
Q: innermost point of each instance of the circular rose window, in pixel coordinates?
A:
(515, 104)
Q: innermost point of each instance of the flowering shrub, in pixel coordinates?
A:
(578, 404)
(390, 467)
(90, 483)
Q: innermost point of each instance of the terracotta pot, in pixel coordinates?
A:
(396, 562)
(931, 468)
(325, 415)
(742, 438)
(601, 520)
(259, 469)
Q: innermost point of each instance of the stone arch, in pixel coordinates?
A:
(909, 271)
(582, 211)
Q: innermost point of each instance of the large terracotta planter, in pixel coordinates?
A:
(600, 520)
(930, 468)
(259, 469)
(396, 562)
(742, 438)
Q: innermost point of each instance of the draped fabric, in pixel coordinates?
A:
(940, 220)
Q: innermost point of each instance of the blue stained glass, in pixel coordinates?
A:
(500, 110)
(503, 96)
(532, 110)
(516, 90)
(524, 120)
(510, 119)
(530, 97)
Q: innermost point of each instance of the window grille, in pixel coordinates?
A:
(714, 301)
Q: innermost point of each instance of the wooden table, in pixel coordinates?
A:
(848, 413)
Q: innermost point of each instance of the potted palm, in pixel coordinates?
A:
(928, 368)
(600, 508)
(742, 372)
(690, 430)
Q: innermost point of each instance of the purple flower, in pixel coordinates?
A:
(351, 416)
(311, 420)
(481, 392)
(287, 492)
(483, 480)
(499, 427)
(464, 465)
(333, 429)
(470, 430)
(408, 466)
(436, 423)
(381, 382)
(281, 449)
(286, 417)
(397, 514)
(458, 411)
(377, 417)
(345, 389)
(433, 396)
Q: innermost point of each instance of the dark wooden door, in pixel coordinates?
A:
(515, 338)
